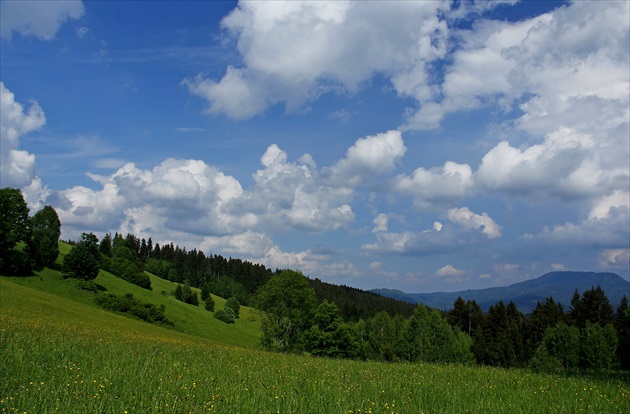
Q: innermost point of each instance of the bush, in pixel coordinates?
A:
(88, 285)
(225, 315)
(233, 304)
(133, 307)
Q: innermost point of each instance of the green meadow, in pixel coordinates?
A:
(59, 352)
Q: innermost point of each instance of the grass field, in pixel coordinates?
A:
(58, 353)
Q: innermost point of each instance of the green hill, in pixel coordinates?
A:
(194, 320)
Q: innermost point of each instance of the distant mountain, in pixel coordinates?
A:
(559, 285)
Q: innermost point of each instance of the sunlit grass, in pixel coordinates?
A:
(194, 320)
(59, 355)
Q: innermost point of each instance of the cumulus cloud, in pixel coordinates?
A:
(554, 61)
(368, 157)
(436, 185)
(17, 167)
(380, 223)
(449, 270)
(567, 164)
(467, 219)
(614, 258)
(294, 52)
(37, 18)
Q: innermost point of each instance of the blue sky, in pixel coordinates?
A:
(423, 146)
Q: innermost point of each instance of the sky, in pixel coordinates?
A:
(414, 145)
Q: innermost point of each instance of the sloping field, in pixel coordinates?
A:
(194, 320)
(62, 355)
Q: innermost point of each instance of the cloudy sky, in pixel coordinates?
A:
(423, 146)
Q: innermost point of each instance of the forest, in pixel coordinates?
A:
(303, 315)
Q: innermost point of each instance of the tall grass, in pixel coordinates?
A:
(59, 355)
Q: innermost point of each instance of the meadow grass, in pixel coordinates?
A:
(61, 355)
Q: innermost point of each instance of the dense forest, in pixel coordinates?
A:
(309, 315)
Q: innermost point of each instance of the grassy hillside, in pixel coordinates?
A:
(62, 355)
(194, 320)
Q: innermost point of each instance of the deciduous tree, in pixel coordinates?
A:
(43, 246)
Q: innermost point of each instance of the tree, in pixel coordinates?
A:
(597, 346)
(560, 343)
(622, 324)
(593, 307)
(330, 336)
(82, 262)
(544, 316)
(15, 227)
(43, 246)
(106, 245)
(209, 306)
(232, 303)
(288, 302)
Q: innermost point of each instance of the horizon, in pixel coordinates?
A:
(418, 146)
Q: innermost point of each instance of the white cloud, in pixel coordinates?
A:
(466, 218)
(449, 270)
(380, 223)
(554, 61)
(367, 158)
(615, 259)
(437, 185)
(37, 18)
(294, 52)
(567, 164)
(17, 167)
(558, 266)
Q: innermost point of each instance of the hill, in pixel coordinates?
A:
(189, 319)
(559, 285)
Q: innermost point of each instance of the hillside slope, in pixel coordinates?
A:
(559, 285)
(194, 320)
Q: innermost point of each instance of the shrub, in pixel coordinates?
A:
(233, 304)
(133, 307)
(224, 315)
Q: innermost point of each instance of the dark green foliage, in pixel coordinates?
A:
(597, 346)
(226, 287)
(355, 304)
(288, 302)
(209, 306)
(225, 315)
(82, 262)
(160, 268)
(593, 307)
(126, 267)
(88, 285)
(544, 316)
(429, 338)
(205, 291)
(133, 307)
(106, 245)
(329, 335)
(18, 263)
(380, 342)
(43, 246)
(186, 294)
(233, 304)
(560, 346)
(15, 227)
(622, 325)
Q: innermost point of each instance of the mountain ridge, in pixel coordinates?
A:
(525, 294)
